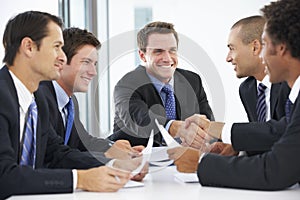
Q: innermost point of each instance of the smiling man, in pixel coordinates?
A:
(157, 89)
(81, 49)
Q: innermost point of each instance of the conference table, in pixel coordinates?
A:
(161, 183)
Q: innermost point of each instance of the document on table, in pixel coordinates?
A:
(131, 184)
(146, 153)
(159, 156)
(187, 177)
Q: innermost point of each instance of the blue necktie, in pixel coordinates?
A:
(288, 110)
(29, 141)
(261, 103)
(70, 119)
(170, 105)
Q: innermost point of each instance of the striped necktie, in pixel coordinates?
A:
(29, 138)
(288, 110)
(261, 107)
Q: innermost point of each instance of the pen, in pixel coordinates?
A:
(117, 179)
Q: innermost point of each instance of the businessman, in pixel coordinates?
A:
(33, 52)
(81, 49)
(261, 99)
(157, 89)
(278, 168)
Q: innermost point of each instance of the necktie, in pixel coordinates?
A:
(170, 105)
(70, 118)
(261, 103)
(29, 141)
(288, 110)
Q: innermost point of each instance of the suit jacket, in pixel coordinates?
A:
(137, 104)
(256, 137)
(79, 138)
(278, 96)
(276, 169)
(16, 179)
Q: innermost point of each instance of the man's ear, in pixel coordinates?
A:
(142, 55)
(257, 47)
(28, 46)
(281, 49)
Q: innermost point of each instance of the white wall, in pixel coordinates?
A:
(11, 8)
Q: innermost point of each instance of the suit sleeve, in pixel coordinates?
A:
(257, 136)
(87, 141)
(274, 170)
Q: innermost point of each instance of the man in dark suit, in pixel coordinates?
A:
(81, 49)
(244, 43)
(279, 167)
(33, 52)
(140, 98)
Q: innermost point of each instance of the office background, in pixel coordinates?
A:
(203, 27)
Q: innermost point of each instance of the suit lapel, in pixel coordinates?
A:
(4, 75)
(274, 98)
(251, 100)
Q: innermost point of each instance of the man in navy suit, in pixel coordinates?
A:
(279, 167)
(139, 97)
(81, 49)
(33, 52)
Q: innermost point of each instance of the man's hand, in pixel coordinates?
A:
(140, 176)
(185, 158)
(129, 164)
(122, 149)
(223, 149)
(102, 179)
(214, 129)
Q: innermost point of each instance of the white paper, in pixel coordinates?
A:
(131, 184)
(187, 177)
(171, 143)
(146, 153)
(159, 154)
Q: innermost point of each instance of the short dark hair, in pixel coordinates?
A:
(75, 38)
(251, 28)
(31, 24)
(283, 24)
(154, 27)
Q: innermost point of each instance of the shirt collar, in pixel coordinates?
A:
(25, 97)
(61, 96)
(265, 81)
(295, 90)
(158, 84)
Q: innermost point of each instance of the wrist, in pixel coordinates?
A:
(174, 128)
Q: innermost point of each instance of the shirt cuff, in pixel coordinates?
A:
(75, 178)
(200, 158)
(169, 124)
(226, 133)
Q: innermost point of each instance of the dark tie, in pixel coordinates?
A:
(288, 110)
(170, 105)
(261, 103)
(70, 119)
(29, 140)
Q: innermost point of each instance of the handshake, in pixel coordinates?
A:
(199, 136)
